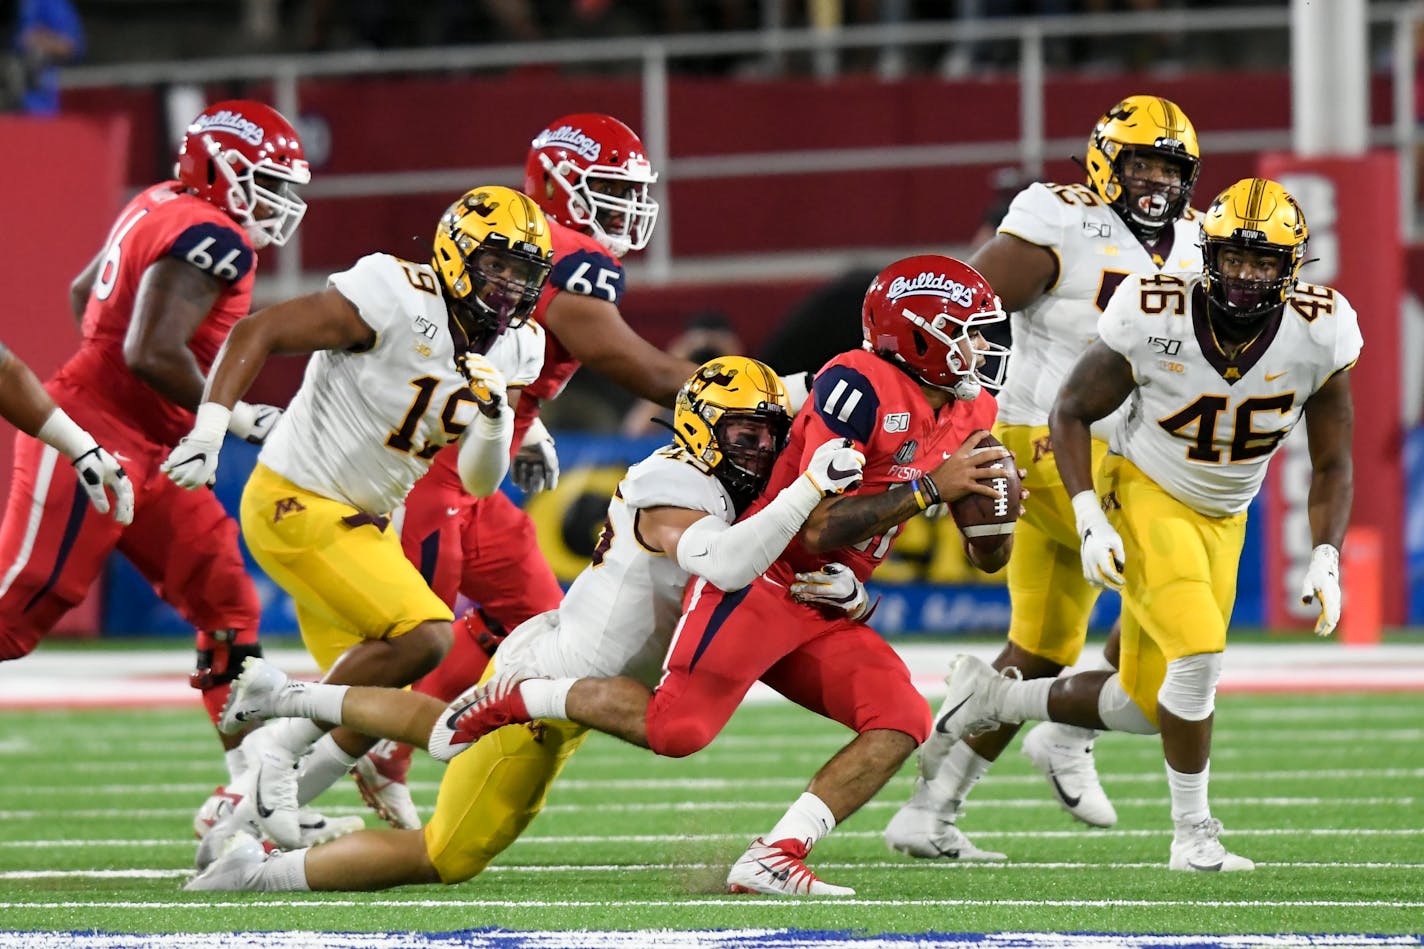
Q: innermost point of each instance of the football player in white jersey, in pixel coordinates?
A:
(407, 358)
(1215, 370)
(1060, 252)
(730, 422)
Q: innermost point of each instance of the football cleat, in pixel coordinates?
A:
(1197, 847)
(380, 776)
(274, 793)
(237, 867)
(218, 805)
(972, 705)
(917, 832)
(474, 715)
(252, 696)
(779, 869)
(1066, 759)
(239, 818)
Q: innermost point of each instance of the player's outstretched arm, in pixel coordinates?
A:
(730, 556)
(1329, 425)
(595, 332)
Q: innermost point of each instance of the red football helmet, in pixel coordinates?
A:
(925, 313)
(589, 171)
(245, 158)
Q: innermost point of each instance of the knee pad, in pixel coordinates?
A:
(1119, 712)
(220, 660)
(1189, 689)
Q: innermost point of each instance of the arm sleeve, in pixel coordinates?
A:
(483, 457)
(732, 556)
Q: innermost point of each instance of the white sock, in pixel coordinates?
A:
(317, 701)
(321, 767)
(236, 763)
(809, 819)
(286, 871)
(1189, 804)
(294, 734)
(546, 698)
(1025, 701)
(944, 791)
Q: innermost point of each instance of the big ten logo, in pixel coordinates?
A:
(931, 551)
(568, 519)
(1293, 474)
(1317, 196)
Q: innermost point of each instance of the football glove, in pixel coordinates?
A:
(834, 587)
(486, 381)
(1322, 584)
(194, 462)
(536, 463)
(836, 467)
(253, 422)
(1101, 547)
(97, 470)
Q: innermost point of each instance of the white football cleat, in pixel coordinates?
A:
(237, 867)
(274, 792)
(252, 694)
(917, 832)
(1064, 753)
(972, 705)
(779, 869)
(1197, 847)
(380, 776)
(218, 805)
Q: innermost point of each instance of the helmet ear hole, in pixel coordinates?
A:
(922, 345)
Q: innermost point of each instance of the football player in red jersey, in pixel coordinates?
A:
(590, 175)
(154, 306)
(912, 402)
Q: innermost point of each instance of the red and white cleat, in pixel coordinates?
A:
(381, 778)
(779, 869)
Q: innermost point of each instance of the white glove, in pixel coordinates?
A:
(834, 587)
(253, 422)
(194, 462)
(1322, 583)
(536, 464)
(835, 467)
(798, 389)
(935, 511)
(97, 470)
(1102, 550)
(486, 381)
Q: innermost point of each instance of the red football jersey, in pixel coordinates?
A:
(879, 407)
(163, 221)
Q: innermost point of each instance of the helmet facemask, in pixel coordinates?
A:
(1246, 299)
(749, 443)
(497, 290)
(612, 201)
(261, 196)
(1152, 201)
(974, 363)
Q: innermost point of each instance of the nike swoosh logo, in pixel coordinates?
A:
(452, 511)
(453, 722)
(779, 876)
(1208, 868)
(944, 719)
(257, 796)
(836, 473)
(1273, 376)
(240, 716)
(1070, 801)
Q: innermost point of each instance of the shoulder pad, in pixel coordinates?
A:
(591, 273)
(846, 402)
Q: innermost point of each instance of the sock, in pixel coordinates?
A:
(294, 734)
(463, 664)
(1025, 701)
(1189, 805)
(945, 790)
(322, 767)
(236, 763)
(809, 819)
(546, 698)
(316, 701)
(286, 871)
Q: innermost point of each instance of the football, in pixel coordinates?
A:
(988, 523)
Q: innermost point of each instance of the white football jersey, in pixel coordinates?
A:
(1202, 426)
(1095, 253)
(364, 425)
(618, 617)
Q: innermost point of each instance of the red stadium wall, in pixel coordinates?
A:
(58, 196)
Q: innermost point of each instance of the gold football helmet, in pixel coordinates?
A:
(493, 254)
(1137, 124)
(733, 415)
(1255, 214)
